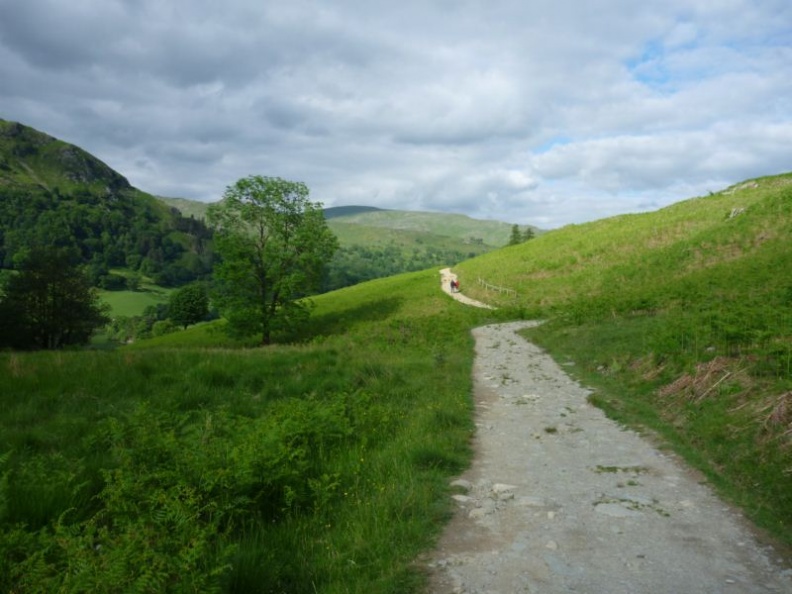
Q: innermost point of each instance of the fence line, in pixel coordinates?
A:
(489, 287)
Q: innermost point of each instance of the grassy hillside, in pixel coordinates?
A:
(579, 261)
(133, 303)
(29, 158)
(55, 194)
(683, 319)
(350, 233)
(461, 227)
(377, 243)
(187, 207)
(186, 463)
(343, 211)
(425, 225)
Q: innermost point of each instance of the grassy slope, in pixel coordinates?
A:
(188, 208)
(493, 233)
(326, 464)
(368, 236)
(683, 319)
(134, 303)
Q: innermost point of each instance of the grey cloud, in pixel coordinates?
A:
(545, 112)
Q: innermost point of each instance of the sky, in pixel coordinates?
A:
(540, 112)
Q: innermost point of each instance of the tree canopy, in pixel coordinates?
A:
(49, 303)
(55, 194)
(518, 237)
(188, 305)
(273, 243)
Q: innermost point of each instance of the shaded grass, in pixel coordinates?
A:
(133, 303)
(321, 466)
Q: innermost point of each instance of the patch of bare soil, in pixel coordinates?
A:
(561, 499)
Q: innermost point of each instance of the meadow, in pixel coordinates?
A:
(189, 464)
(134, 303)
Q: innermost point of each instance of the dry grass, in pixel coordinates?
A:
(777, 414)
(707, 377)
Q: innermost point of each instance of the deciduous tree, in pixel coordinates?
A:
(188, 305)
(273, 243)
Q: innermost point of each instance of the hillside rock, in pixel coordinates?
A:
(81, 167)
(25, 151)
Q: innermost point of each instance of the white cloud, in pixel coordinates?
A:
(542, 112)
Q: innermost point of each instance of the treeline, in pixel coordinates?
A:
(121, 229)
(356, 263)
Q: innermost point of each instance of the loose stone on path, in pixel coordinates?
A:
(561, 499)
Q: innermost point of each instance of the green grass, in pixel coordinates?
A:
(682, 319)
(133, 303)
(369, 235)
(460, 227)
(321, 466)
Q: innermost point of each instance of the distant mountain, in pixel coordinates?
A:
(377, 242)
(350, 224)
(56, 194)
(345, 211)
(471, 231)
(32, 159)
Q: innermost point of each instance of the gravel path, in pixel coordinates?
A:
(446, 276)
(561, 499)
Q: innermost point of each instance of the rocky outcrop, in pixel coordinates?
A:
(50, 161)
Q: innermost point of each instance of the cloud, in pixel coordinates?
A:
(542, 112)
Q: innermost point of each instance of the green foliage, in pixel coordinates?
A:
(274, 244)
(189, 305)
(358, 263)
(516, 237)
(49, 304)
(55, 194)
(189, 469)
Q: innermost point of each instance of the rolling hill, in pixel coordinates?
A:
(682, 321)
(377, 243)
(56, 194)
(379, 225)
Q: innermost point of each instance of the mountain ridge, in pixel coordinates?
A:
(469, 230)
(56, 194)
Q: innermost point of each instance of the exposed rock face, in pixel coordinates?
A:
(83, 168)
(50, 160)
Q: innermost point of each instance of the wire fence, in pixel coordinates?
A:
(495, 288)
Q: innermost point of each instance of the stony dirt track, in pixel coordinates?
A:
(561, 499)
(446, 276)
